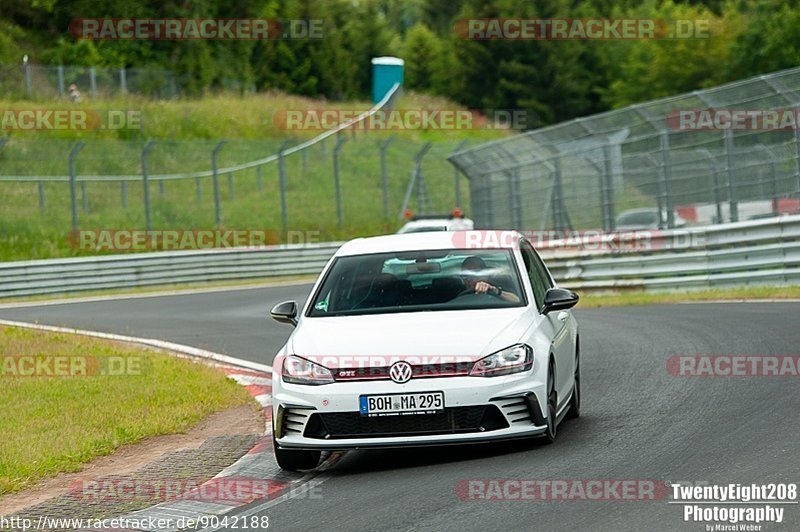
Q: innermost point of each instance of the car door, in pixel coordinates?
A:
(558, 321)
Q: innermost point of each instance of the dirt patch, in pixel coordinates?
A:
(242, 420)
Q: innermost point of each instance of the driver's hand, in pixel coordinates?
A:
(482, 287)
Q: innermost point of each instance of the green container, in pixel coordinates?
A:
(386, 71)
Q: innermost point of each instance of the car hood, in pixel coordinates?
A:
(431, 337)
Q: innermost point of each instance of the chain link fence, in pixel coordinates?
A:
(340, 183)
(638, 167)
(41, 82)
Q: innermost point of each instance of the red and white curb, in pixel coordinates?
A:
(256, 476)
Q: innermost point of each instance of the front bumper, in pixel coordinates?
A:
(477, 409)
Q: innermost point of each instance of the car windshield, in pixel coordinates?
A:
(418, 281)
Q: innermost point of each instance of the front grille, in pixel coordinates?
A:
(446, 369)
(454, 420)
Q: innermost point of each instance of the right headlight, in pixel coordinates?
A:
(514, 359)
(298, 370)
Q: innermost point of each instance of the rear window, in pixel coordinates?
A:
(416, 281)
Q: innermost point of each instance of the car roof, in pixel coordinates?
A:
(432, 240)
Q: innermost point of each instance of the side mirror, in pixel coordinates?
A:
(559, 299)
(285, 312)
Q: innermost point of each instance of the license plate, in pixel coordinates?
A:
(396, 404)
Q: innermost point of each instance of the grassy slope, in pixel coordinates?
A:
(55, 424)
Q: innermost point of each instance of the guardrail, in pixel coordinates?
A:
(73, 275)
(762, 252)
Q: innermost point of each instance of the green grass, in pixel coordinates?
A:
(187, 131)
(56, 424)
(650, 298)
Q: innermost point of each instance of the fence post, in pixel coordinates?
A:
(385, 177)
(602, 185)
(340, 140)
(559, 216)
(666, 176)
(146, 185)
(732, 199)
(92, 82)
(489, 204)
(797, 160)
(457, 174)
(419, 179)
(609, 188)
(60, 74)
(217, 202)
(123, 82)
(282, 183)
(516, 208)
(73, 198)
(416, 180)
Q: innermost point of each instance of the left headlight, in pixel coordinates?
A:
(514, 359)
(298, 370)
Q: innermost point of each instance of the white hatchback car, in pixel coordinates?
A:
(423, 339)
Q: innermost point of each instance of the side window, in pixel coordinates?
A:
(538, 282)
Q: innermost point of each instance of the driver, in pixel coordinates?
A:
(475, 279)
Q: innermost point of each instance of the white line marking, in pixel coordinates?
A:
(151, 342)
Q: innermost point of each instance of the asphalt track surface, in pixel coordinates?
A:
(638, 421)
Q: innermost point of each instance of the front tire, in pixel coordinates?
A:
(552, 405)
(294, 460)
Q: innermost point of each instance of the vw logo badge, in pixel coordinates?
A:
(400, 372)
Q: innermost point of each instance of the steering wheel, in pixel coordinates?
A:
(471, 292)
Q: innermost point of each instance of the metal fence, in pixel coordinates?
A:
(47, 82)
(627, 166)
(341, 179)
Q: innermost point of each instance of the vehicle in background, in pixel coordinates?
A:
(707, 213)
(427, 223)
(646, 218)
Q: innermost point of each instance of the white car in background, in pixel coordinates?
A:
(421, 339)
(437, 222)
